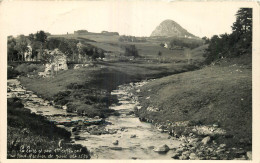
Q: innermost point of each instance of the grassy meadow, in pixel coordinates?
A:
(216, 94)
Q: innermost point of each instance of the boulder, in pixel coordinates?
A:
(175, 155)
(133, 136)
(206, 140)
(162, 149)
(215, 125)
(79, 138)
(74, 129)
(214, 158)
(183, 157)
(179, 150)
(240, 152)
(187, 153)
(195, 140)
(210, 150)
(222, 145)
(115, 142)
(96, 117)
(193, 156)
(249, 155)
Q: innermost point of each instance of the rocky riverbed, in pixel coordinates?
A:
(128, 137)
(117, 137)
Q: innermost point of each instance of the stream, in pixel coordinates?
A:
(131, 139)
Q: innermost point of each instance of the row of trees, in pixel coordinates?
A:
(35, 46)
(74, 49)
(184, 42)
(238, 43)
(17, 47)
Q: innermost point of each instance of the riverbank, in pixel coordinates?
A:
(122, 135)
(212, 105)
(31, 136)
(86, 91)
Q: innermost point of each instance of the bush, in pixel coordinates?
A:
(12, 73)
(31, 68)
(131, 50)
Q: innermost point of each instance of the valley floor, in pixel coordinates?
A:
(218, 95)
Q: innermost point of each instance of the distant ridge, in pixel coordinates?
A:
(169, 28)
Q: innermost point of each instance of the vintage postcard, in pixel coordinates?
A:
(129, 80)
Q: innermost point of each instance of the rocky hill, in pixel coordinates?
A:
(170, 28)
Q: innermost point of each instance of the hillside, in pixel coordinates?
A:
(217, 94)
(148, 49)
(170, 28)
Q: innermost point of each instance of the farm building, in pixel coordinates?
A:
(57, 62)
(28, 54)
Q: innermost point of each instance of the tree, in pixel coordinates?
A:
(21, 47)
(41, 36)
(205, 39)
(12, 53)
(238, 43)
(243, 22)
(36, 49)
(73, 46)
(31, 37)
(242, 32)
(131, 51)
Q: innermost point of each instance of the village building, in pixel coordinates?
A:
(28, 54)
(57, 61)
(81, 32)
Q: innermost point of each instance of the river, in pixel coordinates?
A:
(131, 139)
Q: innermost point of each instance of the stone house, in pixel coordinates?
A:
(28, 54)
(57, 61)
(166, 45)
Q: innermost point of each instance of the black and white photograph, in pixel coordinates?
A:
(129, 80)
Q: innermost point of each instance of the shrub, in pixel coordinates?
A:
(12, 73)
(31, 68)
(131, 51)
(238, 43)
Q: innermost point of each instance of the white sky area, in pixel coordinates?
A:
(137, 18)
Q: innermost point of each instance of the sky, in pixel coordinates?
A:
(135, 17)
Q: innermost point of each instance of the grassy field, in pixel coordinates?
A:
(216, 94)
(148, 49)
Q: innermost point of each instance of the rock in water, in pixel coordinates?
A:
(206, 140)
(162, 149)
(133, 136)
(115, 142)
